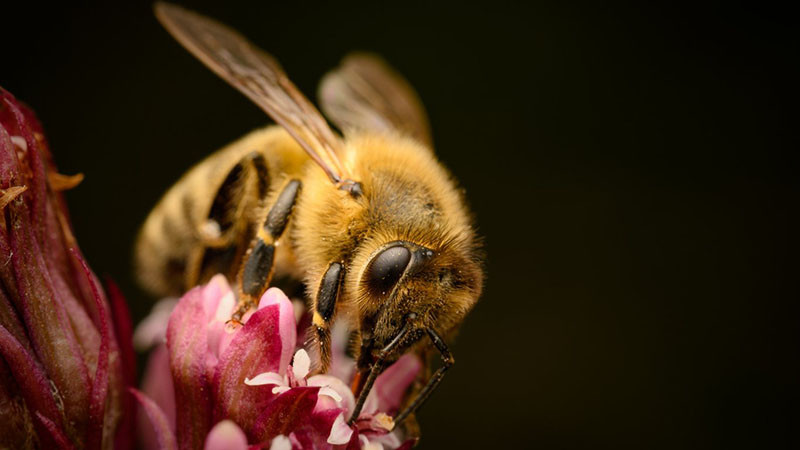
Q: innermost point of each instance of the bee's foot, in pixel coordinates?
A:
(232, 325)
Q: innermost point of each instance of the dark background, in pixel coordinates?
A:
(629, 168)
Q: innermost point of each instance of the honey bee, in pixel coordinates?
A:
(372, 224)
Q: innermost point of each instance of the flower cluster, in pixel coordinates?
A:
(65, 353)
(213, 387)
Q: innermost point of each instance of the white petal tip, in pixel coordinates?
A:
(264, 378)
(301, 364)
(280, 389)
(330, 393)
(340, 432)
(281, 442)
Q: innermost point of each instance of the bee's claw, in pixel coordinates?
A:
(232, 325)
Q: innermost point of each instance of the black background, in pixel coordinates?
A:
(629, 168)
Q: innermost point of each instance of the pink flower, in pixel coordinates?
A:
(213, 388)
(65, 353)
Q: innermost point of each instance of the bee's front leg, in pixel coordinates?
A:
(324, 306)
(257, 270)
(433, 382)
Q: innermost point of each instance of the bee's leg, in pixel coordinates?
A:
(223, 238)
(257, 270)
(324, 306)
(375, 370)
(447, 362)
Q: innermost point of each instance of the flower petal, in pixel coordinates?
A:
(123, 329)
(166, 440)
(391, 385)
(280, 389)
(341, 432)
(226, 435)
(188, 346)
(265, 378)
(29, 376)
(281, 442)
(157, 385)
(256, 347)
(325, 390)
(97, 405)
(345, 399)
(288, 325)
(301, 364)
(366, 444)
(153, 329)
(288, 412)
(55, 433)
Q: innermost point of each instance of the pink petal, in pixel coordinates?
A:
(157, 385)
(166, 440)
(213, 292)
(288, 325)
(226, 435)
(342, 366)
(390, 386)
(301, 440)
(219, 312)
(257, 347)
(289, 411)
(187, 344)
(218, 292)
(347, 402)
(315, 432)
(152, 330)
(341, 432)
(366, 444)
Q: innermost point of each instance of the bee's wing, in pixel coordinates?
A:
(364, 93)
(258, 76)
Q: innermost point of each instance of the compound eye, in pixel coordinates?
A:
(387, 267)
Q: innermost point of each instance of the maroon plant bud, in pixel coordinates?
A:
(63, 372)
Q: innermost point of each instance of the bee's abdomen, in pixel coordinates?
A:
(200, 226)
(204, 223)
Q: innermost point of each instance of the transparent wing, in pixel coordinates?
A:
(364, 93)
(258, 76)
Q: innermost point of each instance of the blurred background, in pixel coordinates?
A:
(629, 168)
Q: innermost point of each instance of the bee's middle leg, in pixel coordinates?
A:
(324, 307)
(258, 267)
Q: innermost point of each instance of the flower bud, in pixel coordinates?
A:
(63, 371)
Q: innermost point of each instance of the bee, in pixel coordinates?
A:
(372, 224)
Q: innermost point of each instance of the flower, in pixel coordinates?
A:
(212, 387)
(65, 346)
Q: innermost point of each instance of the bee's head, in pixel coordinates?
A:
(407, 286)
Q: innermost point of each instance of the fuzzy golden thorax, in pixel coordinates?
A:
(408, 199)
